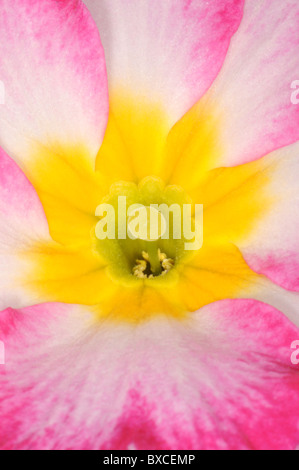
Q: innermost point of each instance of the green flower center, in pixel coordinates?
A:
(141, 226)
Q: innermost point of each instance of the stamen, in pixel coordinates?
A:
(167, 264)
(143, 267)
(139, 269)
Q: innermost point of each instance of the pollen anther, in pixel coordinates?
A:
(143, 269)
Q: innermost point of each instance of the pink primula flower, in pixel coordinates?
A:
(139, 343)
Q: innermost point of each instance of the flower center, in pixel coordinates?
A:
(140, 229)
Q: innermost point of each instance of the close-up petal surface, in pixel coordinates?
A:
(214, 396)
(193, 35)
(149, 250)
(23, 223)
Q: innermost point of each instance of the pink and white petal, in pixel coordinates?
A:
(272, 248)
(252, 94)
(222, 379)
(70, 368)
(53, 73)
(168, 51)
(22, 223)
(286, 301)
